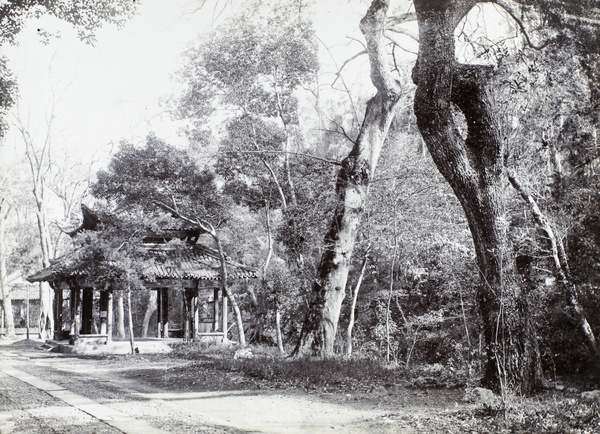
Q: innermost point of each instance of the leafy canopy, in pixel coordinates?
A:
(159, 172)
(84, 16)
(251, 63)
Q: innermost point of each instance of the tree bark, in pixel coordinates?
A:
(150, 309)
(352, 186)
(130, 319)
(474, 168)
(278, 333)
(120, 315)
(9, 322)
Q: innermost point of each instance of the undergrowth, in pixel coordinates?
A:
(551, 411)
(217, 367)
(267, 366)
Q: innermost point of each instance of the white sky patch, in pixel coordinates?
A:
(103, 93)
(111, 91)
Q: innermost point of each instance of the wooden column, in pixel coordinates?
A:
(188, 296)
(103, 311)
(216, 310)
(72, 312)
(109, 315)
(162, 313)
(75, 313)
(196, 308)
(87, 311)
(159, 320)
(165, 313)
(58, 311)
(224, 315)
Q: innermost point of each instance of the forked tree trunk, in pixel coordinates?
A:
(474, 168)
(38, 163)
(320, 325)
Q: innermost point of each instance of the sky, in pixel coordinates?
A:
(111, 91)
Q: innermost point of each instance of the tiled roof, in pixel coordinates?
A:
(199, 262)
(196, 262)
(62, 267)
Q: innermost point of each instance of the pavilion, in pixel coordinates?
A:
(189, 274)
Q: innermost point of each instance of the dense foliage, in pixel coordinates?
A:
(269, 188)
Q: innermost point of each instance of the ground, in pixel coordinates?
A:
(46, 392)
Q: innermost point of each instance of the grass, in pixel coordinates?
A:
(435, 389)
(273, 370)
(551, 411)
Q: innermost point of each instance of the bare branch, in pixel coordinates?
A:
(347, 61)
(344, 132)
(517, 20)
(400, 31)
(347, 90)
(357, 40)
(397, 42)
(401, 19)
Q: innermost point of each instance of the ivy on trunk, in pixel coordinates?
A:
(474, 168)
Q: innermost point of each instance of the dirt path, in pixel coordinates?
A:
(43, 392)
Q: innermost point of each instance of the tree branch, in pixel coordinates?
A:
(339, 75)
(401, 19)
(347, 61)
(397, 42)
(521, 26)
(202, 224)
(372, 27)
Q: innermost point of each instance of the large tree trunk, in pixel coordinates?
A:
(46, 318)
(474, 168)
(320, 325)
(9, 322)
(120, 315)
(150, 309)
(130, 319)
(224, 287)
